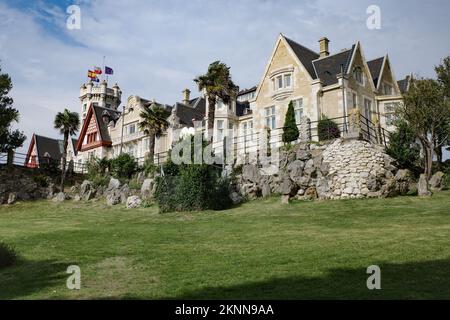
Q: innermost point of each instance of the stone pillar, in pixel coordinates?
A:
(354, 125)
(304, 129)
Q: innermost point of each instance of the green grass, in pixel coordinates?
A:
(259, 250)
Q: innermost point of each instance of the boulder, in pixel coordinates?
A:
(310, 193)
(295, 169)
(287, 186)
(265, 190)
(113, 184)
(250, 173)
(133, 202)
(436, 181)
(422, 187)
(148, 189)
(322, 188)
(12, 197)
(124, 192)
(86, 191)
(285, 199)
(235, 197)
(303, 154)
(113, 198)
(404, 180)
(60, 197)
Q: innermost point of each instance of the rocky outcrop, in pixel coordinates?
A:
(87, 191)
(148, 189)
(339, 170)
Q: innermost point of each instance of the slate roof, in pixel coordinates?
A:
(328, 68)
(305, 55)
(375, 69)
(53, 147)
(103, 127)
(245, 91)
(194, 111)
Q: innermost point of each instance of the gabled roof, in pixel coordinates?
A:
(305, 55)
(375, 69)
(48, 146)
(97, 112)
(328, 68)
(245, 91)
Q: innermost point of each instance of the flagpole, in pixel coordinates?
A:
(104, 57)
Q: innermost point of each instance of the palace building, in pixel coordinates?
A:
(319, 83)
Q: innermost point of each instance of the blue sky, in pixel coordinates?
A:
(157, 47)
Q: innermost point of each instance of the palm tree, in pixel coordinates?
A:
(67, 122)
(154, 120)
(218, 84)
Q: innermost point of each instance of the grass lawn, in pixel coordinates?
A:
(259, 250)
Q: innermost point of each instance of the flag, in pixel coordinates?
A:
(108, 70)
(98, 70)
(92, 74)
(95, 79)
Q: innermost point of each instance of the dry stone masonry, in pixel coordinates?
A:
(341, 169)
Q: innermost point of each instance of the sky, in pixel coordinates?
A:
(157, 48)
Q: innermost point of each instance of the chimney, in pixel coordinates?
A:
(323, 42)
(186, 96)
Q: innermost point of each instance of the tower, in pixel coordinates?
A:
(100, 95)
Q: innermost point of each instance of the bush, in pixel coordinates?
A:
(194, 187)
(8, 256)
(328, 129)
(123, 166)
(100, 180)
(290, 130)
(149, 168)
(403, 147)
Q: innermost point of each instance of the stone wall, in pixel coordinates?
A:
(338, 170)
(19, 183)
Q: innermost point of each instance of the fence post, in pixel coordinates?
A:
(10, 157)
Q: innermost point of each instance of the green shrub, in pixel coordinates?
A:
(403, 147)
(123, 166)
(8, 256)
(134, 185)
(194, 187)
(41, 180)
(100, 180)
(290, 130)
(328, 129)
(149, 168)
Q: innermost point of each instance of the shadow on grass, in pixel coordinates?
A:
(28, 277)
(417, 280)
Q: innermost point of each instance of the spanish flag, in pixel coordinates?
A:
(92, 74)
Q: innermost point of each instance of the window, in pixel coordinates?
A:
(219, 104)
(84, 107)
(131, 128)
(282, 82)
(387, 89)
(219, 130)
(270, 117)
(354, 100)
(298, 109)
(247, 127)
(287, 80)
(358, 75)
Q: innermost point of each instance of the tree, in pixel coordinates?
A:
(443, 76)
(426, 111)
(154, 119)
(402, 145)
(290, 130)
(9, 139)
(67, 123)
(217, 83)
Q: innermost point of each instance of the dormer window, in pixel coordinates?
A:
(358, 75)
(387, 89)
